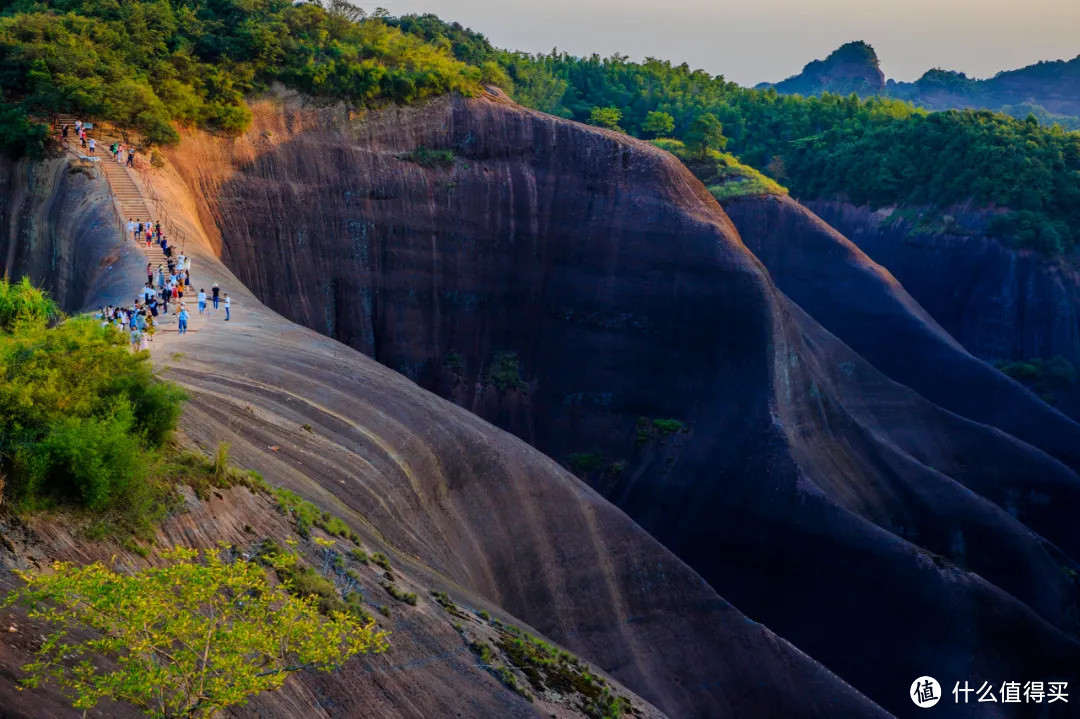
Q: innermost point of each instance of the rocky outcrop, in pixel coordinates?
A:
(998, 302)
(457, 505)
(57, 224)
(575, 286)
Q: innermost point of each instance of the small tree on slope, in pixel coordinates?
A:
(184, 640)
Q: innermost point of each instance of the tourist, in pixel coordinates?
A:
(227, 303)
(92, 145)
(214, 292)
(202, 301)
(149, 273)
(182, 319)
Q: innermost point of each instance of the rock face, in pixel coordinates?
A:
(59, 228)
(999, 303)
(575, 286)
(456, 504)
(852, 67)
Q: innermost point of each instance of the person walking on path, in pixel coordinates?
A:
(131, 157)
(202, 301)
(182, 319)
(149, 273)
(227, 303)
(93, 145)
(214, 292)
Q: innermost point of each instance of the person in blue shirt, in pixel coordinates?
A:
(183, 318)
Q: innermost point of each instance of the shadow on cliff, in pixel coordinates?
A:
(574, 287)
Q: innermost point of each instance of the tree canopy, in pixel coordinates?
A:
(147, 64)
(187, 639)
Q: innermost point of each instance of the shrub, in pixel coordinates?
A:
(431, 158)
(83, 419)
(152, 627)
(506, 372)
(399, 594)
(584, 462)
(381, 559)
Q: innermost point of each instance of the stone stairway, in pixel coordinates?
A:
(132, 206)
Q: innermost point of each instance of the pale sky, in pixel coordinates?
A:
(751, 41)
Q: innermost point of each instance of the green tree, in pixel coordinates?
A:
(658, 124)
(187, 639)
(705, 133)
(608, 117)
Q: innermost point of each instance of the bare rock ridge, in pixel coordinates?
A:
(59, 227)
(1000, 303)
(456, 503)
(575, 286)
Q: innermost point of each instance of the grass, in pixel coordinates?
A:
(399, 594)
(360, 555)
(381, 560)
(725, 177)
(547, 667)
(657, 429)
(431, 158)
(307, 515)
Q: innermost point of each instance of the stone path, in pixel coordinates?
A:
(133, 205)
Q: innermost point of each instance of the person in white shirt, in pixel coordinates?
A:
(227, 303)
(201, 297)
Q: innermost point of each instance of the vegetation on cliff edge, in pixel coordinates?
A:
(879, 152)
(147, 64)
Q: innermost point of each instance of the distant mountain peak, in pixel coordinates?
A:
(852, 67)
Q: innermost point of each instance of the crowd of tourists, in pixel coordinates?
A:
(166, 285)
(122, 154)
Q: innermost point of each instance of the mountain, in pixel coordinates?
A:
(852, 67)
(692, 435)
(1050, 90)
(456, 504)
(584, 291)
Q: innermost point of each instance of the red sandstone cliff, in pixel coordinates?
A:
(829, 499)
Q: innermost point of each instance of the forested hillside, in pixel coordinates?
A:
(152, 63)
(877, 151)
(149, 63)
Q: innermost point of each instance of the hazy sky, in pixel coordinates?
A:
(754, 40)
